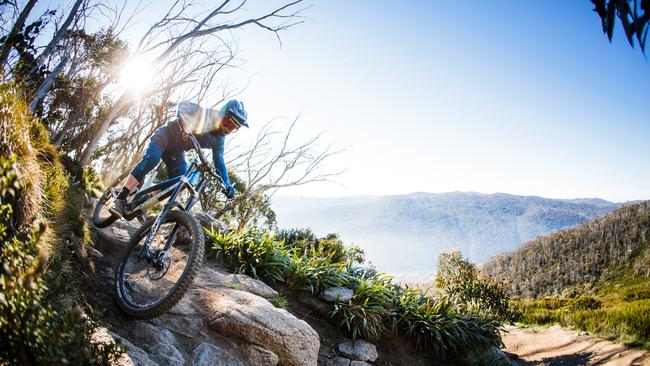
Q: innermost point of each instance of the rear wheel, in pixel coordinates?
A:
(102, 217)
(148, 287)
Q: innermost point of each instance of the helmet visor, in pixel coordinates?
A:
(229, 124)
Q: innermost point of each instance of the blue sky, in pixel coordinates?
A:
(504, 96)
(521, 97)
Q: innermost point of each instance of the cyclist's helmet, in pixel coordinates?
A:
(235, 109)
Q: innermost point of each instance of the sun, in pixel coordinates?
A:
(136, 74)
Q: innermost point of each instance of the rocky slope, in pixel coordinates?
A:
(224, 319)
(227, 319)
(421, 225)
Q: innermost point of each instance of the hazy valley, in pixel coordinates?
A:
(404, 234)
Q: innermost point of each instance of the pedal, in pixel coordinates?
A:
(115, 212)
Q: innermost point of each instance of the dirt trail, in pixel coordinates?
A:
(557, 346)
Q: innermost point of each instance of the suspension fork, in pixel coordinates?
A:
(194, 197)
(171, 202)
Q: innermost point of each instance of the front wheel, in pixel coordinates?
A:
(102, 217)
(149, 286)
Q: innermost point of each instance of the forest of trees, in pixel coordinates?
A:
(580, 256)
(69, 62)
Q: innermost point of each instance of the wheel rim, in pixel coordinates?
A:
(146, 282)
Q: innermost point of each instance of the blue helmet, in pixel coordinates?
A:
(236, 109)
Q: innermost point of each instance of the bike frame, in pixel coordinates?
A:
(193, 180)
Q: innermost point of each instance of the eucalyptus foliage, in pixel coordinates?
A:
(634, 16)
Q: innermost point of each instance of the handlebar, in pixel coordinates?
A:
(204, 161)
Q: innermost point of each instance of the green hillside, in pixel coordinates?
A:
(600, 250)
(594, 277)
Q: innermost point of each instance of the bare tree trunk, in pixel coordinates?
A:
(113, 113)
(8, 44)
(47, 83)
(40, 60)
(201, 29)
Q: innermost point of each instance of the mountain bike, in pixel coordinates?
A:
(164, 255)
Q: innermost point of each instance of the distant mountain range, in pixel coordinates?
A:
(404, 234)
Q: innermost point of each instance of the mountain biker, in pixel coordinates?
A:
(170, 141)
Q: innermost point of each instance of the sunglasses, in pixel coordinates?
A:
(229, 124)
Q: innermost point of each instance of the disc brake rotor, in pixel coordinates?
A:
(162, 261)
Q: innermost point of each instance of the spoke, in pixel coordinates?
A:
(148, 280)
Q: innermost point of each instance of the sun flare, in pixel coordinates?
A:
(136, 74)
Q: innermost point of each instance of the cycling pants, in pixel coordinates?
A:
(161, 146)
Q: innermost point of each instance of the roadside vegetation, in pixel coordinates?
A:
(299, 261)
(43, 248)
(594, 277)
(616, 310)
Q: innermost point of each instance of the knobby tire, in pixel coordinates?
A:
(194, 263)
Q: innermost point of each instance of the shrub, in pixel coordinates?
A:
(40, 322)
(460, 280)
(634, 319)
(624, 320)
(635, 293)
(304, 240)
(31, 330)
(296, 238)
(250, 252)
(437, 328)
(314, 270)
(366, 313)
(584, 303)
(628, 320)
(551, 303)
(15, 127)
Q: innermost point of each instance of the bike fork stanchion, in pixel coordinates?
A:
(190, 203)
(159, 220)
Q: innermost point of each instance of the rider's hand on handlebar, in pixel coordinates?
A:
(230, 192)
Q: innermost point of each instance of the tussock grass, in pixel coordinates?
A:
(43, 236)
(377, 307)
(314, 270)
(16, 124)
(616, 309)
(250, 252)
(366, 313)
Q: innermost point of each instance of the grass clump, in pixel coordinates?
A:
(437, 327)
(618, 310)
(279, 301)
(314, 270)
(40, 225)
(366, 313)
(297, 260)
(251, 252)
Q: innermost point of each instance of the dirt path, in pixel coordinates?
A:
(557, 346)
